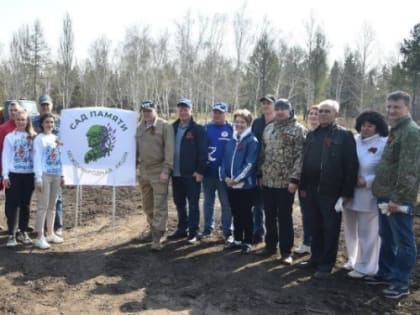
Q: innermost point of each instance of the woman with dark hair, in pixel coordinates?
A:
(48, 180)
(361, 226)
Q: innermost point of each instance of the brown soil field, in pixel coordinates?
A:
(101, 270)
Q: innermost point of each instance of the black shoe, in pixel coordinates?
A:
(266, 252)
(206, 234)
(377, 279)
(194, 238)
(233, 245)
(177, 235)
(246, 249)
(256, 239)
(321, 275)
(308, 264)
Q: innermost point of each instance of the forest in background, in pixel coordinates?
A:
(192, 59)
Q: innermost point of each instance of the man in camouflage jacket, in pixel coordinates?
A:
(396, 186)
(280, 167)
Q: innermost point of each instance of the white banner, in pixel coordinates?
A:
(99, 146)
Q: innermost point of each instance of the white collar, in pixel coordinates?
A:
(243, 134)
(369, 139)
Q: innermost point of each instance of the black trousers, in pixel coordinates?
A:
(18, 195)
(241, 202)
(325, 224)
(278, 207)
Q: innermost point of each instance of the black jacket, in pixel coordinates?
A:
(258, 126)
(339, 163)
(193, 149)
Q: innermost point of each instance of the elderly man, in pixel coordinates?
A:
(396, 187)
(190, 160)
(258, 126)
(155, 151)
(45, 106)
(281, 165)
(330, 167)
(219, 132)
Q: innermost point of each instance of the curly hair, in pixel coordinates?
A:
(373, 118)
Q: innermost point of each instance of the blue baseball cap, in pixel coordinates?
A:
(45, 99)
(184, 102)
(220, 106)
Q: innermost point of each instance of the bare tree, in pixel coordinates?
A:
(39, 57)
(189, 48)
(365, 47)
(100, 55)
(66, 52)
(241, 27)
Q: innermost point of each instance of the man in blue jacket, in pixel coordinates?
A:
(219, 132)
(190, 161)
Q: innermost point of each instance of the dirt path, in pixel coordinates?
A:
(89, 275)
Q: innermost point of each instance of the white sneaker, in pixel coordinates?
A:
(355, 274)
(11, 241)
(59, 232)
(54, 239)
(348, 266)
(24, 238)
(303, 249)
(229, 239)
(41, 243)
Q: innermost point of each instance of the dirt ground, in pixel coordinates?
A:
(98, 272)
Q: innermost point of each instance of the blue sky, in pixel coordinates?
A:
(341, 20)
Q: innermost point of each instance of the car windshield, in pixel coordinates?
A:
(30, 107)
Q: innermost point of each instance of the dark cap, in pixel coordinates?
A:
(283, 103)
(184, 102)
(220, 106)
(45, 99)
(270, 98)
(148, 105)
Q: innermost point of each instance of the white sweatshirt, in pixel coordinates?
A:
(47, 156)
(17, 154)
(369, 153)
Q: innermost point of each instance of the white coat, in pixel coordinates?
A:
(369, 153)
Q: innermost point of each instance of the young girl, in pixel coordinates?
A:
(48, 179)
(18, 176)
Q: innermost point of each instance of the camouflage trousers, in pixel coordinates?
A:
(155, 201)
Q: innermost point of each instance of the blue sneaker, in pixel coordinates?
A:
(395, 292)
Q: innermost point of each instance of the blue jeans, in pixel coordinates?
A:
(210, 186)
(58, 222)
(187, 188)
(398, 252)
(258, 227)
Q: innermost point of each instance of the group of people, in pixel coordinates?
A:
(257, 166)
(31, 160)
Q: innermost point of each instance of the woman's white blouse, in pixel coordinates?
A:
(369, 153)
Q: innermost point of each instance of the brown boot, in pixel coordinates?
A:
(156, 241)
